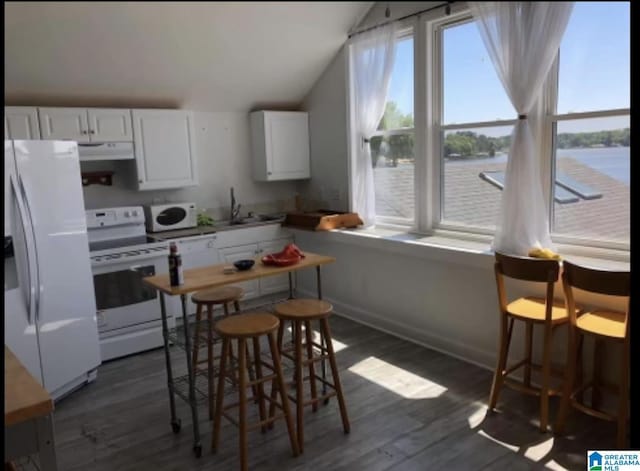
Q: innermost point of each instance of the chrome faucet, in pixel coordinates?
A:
(235, 210)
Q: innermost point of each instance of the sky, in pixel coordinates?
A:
(594, 74)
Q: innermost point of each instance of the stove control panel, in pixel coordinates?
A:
(109, 217)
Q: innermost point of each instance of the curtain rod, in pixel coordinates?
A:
(446, 4)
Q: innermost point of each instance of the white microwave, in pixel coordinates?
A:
(167, 217)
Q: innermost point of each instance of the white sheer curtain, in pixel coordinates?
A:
(522, 39)
(372, 57)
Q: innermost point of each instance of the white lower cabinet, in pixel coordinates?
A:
(242, 252)
(277, 283)
(196, 252)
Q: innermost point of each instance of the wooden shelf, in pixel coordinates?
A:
(101, 178)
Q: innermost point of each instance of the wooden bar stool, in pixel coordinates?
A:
(209, 299)
(299, 312)
(603, 325)
(245, 327)
(545, 312)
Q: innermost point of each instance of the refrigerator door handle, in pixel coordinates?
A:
(38, 285)
(27, 233)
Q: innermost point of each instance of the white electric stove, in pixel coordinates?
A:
(121, 255)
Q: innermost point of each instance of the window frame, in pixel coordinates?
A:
(428, 134)
(405, 31)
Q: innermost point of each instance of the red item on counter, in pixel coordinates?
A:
(290, 255)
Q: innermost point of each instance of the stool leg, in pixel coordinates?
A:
(529, 351)
(215, 436)
(236, 305)
(579, 378)
(597, 367)
(567, 390)
(299, 385)
(498, 376)
(546, 378)
(242, 399)
(312, 372)
(258, 364)
(210, 357)
(196, 337)
(231, 357)
(623, 407)
(282, 388)
(324, 324)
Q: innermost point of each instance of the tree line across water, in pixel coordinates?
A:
(468, 144)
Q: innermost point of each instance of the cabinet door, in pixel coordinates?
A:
(287, 145)
(165, 149)
(276, 283)
(197, 252)
(109, 125)
(64, 124)
(21, 122)
(241, 252)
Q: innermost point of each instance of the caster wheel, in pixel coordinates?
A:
(197, 450)
(175, 426)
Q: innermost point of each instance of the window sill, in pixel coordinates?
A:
(460, 248)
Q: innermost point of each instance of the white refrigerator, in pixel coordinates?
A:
(50, 311)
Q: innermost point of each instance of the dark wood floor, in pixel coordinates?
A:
(410, 409)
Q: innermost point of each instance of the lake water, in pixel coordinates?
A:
(612, 161)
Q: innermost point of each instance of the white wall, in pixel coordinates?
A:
(442, 298)
(223, 150)
(327, 107)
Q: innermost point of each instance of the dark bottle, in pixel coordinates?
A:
(176, 275)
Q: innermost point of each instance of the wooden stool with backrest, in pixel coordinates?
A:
(209, 299)
(303, 312)
(545, 312)
(603, 325)
(245, 329)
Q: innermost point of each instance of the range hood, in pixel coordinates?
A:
(105, 151)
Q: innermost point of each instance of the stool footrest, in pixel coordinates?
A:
(528, 389)
(312, 401)
(592, 412)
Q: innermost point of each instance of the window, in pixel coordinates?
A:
(473, 138)
(456, 182)
(585, 135)
(591, 126)
(392, 146)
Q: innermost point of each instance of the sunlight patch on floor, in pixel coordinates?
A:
(397, 380)
(538, 451)
(513, 448)
(478, 416)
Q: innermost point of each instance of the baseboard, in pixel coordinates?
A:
(377, 321)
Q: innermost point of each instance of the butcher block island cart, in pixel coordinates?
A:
(198, 279)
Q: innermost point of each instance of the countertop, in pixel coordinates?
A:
(24, 397)
(204, 230)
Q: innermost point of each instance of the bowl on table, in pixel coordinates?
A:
(243, 265)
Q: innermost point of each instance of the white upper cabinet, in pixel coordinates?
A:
(280, 145)
(21, 122)
(86, 124)
(110, 125)
(164, 144)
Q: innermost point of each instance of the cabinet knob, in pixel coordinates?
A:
(92, 131)
(84, 132)
(268, 173)
(139, 181)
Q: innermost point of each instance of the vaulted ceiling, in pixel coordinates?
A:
(216, 56)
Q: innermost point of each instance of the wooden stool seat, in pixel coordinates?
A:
(208, 299)
(226, 294)
(303, 309)
(534, 309)
(299, 312)
(546, 313)
(603, 323)
(247, 325)
(247, 329)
